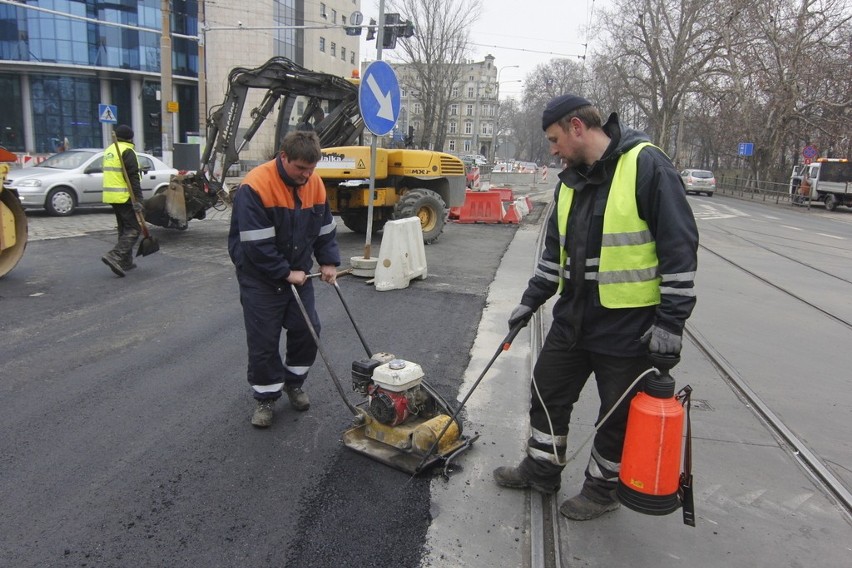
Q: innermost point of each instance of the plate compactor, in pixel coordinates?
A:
(403, 422)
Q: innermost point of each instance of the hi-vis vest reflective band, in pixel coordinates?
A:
(115, 189)
(627, 268)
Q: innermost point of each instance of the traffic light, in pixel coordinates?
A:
(371, 30)
(391, 30)
(407, 29)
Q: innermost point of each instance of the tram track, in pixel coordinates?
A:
(807, 458)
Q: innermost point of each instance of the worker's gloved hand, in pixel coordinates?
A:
(138, 206)
(661, 341)
(520, 314)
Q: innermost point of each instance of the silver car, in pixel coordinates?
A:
(699, 181)
(74, 178)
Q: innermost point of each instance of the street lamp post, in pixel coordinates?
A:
(497, 119)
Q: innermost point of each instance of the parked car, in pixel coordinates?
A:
(475, 159)
(699, 181)
(74, 178)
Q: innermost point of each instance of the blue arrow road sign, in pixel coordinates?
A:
(378, 98)
(108, 114)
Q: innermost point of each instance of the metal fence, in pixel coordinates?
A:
(745, 188)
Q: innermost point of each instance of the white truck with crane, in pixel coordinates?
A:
(825, 179)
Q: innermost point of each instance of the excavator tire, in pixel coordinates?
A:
(429, 207)
(356, 221)
(13, 214)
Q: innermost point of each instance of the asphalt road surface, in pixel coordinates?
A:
(125, 410)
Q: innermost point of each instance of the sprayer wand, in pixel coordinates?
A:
(504, 346)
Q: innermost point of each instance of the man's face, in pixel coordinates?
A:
(298, 170)
(565, 143)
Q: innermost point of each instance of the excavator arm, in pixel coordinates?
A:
(282, 83)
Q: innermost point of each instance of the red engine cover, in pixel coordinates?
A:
(388, 407)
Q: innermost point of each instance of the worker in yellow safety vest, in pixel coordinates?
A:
(117, 194)
(621, 254)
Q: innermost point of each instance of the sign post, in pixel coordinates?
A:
(379, 102)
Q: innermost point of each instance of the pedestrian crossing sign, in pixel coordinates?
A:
(108, 114)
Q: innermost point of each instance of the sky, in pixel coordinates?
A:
(525, 33)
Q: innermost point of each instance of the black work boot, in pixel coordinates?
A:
(127, 263)
(581, 508)
(518, 478)
(113, 263)
(262, 417)
(298, 398)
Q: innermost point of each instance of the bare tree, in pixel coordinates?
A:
(435, 53)
(662, 49)
(790, 79)
(554, 78)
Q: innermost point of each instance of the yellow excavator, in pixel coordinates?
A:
(409, 183)
(13, 221)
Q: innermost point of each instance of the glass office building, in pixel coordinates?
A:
(60, 59)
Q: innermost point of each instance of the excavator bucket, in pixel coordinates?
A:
(175, 201)
(187, 197)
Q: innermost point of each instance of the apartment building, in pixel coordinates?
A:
(472, 112)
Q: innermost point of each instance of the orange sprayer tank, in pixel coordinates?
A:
(651, 460)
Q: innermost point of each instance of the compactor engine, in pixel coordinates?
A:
(401, 413)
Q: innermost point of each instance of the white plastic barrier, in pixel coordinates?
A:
(402, 256)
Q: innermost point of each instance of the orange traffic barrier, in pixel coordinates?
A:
(512, 215)
(505, 193)
(481, 207)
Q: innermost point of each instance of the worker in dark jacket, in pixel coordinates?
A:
(621, 253)
(117, 194)
(281, 217)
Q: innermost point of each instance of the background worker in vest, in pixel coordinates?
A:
(280, 217)
(616, 302)
(117, 194)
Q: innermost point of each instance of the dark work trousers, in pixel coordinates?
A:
(266, 310)
(560, 374)
(128, 232)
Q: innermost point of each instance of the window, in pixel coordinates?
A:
(342, 53)
(333, 49)
(485, 128)
(467, 145)
(334, 16)
(403, 92)
(452, 145)
(470, 92)
(468, 111)
(352, 57)
(343, 20)
(453, 127)
(455, 93)
(454, 110)
(323, 13)
(417, 108)
(468, 127)
(322, 44)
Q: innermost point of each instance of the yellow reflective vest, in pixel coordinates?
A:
(627, 272)
(115, 188)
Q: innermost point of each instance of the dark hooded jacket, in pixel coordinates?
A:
(662, 203)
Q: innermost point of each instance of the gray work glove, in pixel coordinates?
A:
(520, 314)
(661, 341)
(138, 206)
